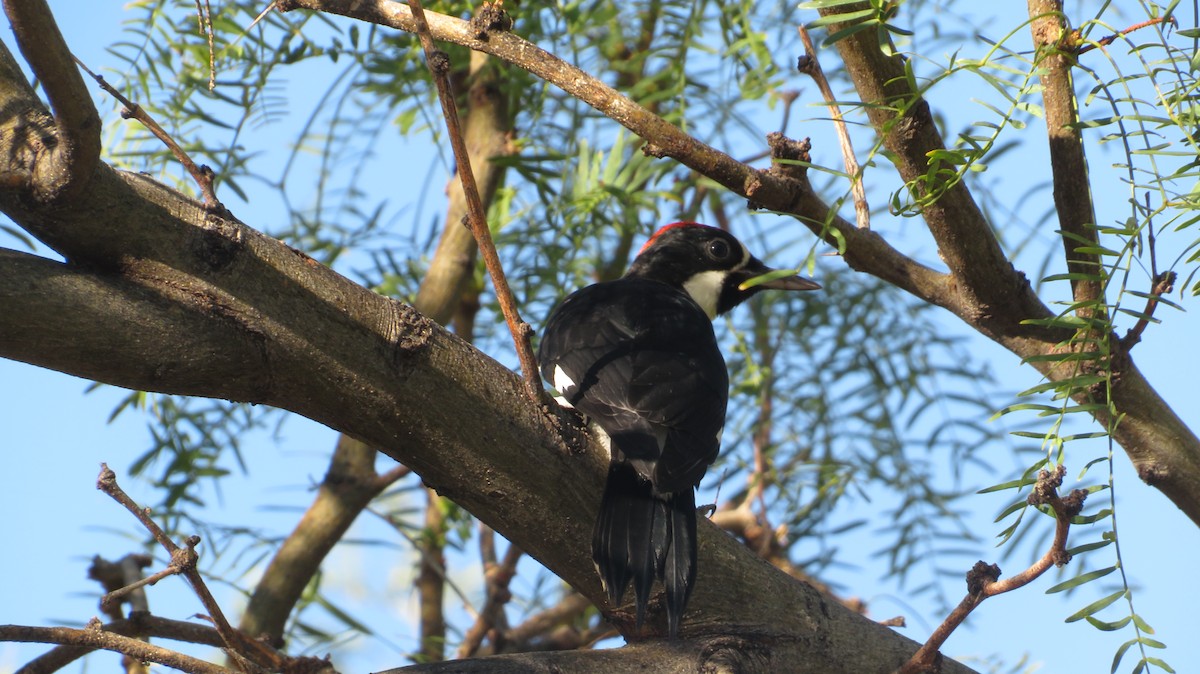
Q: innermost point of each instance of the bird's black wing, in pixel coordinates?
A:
(640, 359)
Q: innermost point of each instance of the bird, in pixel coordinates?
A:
(638, 357)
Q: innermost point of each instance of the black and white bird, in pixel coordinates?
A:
(638, 357)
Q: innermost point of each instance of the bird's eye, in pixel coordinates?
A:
(718, 249)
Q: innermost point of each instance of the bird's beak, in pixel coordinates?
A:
(762, 276)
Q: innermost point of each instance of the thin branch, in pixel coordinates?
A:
(140, 625)
(95, 637)
(809, 65)
(1164, 283)
(183, 560)
(107, 600)
(439, 67)
(204, 19)
(983, 579)
(1107, 40)
(74, 159)
(113, 576)
(203, 175)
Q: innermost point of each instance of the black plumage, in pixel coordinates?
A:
(638, 356)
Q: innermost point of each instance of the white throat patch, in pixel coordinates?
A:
(705, 289)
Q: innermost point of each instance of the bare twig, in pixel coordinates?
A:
(107, 600)
(140, 625)
(113, 576)
(1163, 284)
(983, 579)
(809, 65)
(203, 175)
(1105, 41)
(74, 158)
(183, 561)
(204, 19)
(439, 67)
(93, 636)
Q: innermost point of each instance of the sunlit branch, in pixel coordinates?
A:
(983, 580)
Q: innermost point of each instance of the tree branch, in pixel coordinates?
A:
(983, 579)
(438, 63)
(69, 164)
(94, 637)
(811, 66)
(203, 175)
(904, 121)
(183, 562)
(326, 348)
(486, 134)
(140, 625)
(1068, 165)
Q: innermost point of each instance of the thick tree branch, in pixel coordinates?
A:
(905, 122)
(1068, 165)
(66, 166)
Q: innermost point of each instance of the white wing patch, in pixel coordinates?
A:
(562, 383)
(562, 380)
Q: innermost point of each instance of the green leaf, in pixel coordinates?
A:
(1104, 626)
(1095, 607)
(1081, 579)
(1013, 484)
(1120, 654)
(1158, 662)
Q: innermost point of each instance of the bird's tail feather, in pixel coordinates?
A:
(640, 537)
(679, 566)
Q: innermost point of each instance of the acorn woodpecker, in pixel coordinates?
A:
(639, 358)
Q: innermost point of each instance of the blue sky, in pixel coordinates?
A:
(56, 437)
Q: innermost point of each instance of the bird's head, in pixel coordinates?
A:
(710, 265)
